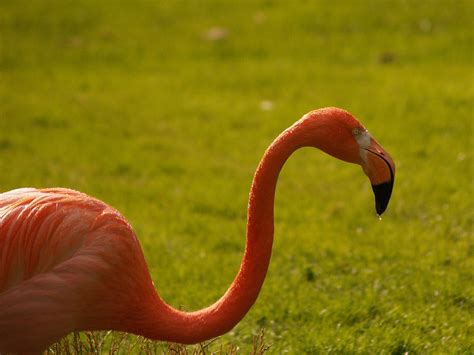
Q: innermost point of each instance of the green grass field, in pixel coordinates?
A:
(164, 108)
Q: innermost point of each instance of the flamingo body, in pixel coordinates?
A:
(65, 259)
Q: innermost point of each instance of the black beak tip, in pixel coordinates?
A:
(382, 194)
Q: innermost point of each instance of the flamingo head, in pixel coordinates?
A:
(340, 134)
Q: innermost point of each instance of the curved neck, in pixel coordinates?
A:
(191, 327)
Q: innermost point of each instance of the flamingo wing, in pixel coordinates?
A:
(67, 262)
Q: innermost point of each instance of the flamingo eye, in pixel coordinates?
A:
(356, 131)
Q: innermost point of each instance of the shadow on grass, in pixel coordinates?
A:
(113, 343)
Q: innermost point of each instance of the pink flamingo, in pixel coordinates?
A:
(70, 262)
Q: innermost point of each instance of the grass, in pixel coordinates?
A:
(121, 343)
(140, 104)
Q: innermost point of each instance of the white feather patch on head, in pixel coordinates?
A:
(363, 140)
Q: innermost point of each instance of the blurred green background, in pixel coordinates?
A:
(164, 108)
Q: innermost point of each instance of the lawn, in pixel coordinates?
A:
(164, 108)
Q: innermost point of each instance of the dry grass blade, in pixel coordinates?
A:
(259, 346)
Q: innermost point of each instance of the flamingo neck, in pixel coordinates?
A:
(170, 324)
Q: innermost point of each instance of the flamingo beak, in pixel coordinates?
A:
(380, 168)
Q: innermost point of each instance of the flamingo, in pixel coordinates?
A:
(70, 262)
